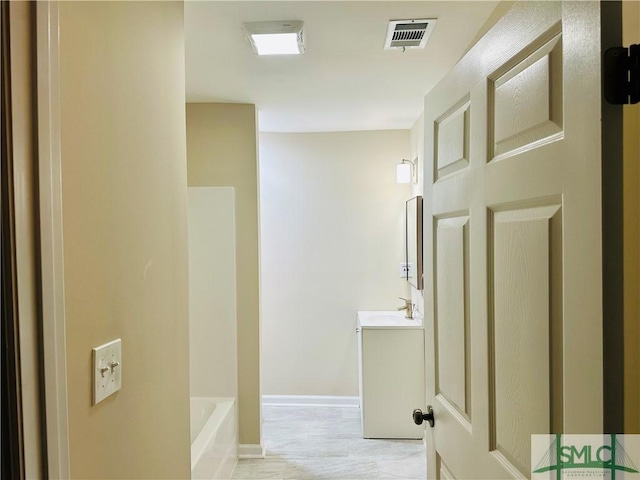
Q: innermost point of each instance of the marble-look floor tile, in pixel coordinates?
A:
(351, 412)
(285, 430)
(310, 447)
(286, 414)
(326, 443)
(326, 413)
(343, 428)
(331, 468)
(259, 469)
(408, 468)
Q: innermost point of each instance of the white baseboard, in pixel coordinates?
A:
(310, 401)
(251, 450)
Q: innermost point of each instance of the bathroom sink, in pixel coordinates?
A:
(384, 319)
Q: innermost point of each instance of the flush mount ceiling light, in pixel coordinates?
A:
(275, 38)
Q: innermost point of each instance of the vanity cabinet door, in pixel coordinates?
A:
(392, 381)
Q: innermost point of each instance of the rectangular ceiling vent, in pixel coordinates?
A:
(403, 34)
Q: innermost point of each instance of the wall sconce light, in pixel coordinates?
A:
(406, 171)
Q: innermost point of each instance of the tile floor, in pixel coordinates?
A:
(327, 443)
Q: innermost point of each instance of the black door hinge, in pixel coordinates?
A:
(621, 75)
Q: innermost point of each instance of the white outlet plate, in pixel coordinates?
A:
(107, 370)
(406, 270)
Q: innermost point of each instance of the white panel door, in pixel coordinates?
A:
(512, 233)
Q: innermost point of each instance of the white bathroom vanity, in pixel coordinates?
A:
(391, 364)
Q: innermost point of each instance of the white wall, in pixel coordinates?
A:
(332, 240)
(124, 196)
(212, 292)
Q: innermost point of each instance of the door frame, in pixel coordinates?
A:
(51, 239)
(631, 236)
(612, 237)
(13, 462)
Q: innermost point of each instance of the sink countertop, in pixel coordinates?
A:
(388, 319)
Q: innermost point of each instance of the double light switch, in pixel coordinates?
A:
(107, 370)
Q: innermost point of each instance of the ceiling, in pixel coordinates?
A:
(345, 80)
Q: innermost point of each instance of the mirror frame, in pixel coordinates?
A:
(417, 281)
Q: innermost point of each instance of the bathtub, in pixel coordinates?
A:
(214, 442)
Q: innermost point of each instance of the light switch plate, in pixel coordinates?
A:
(107, 370)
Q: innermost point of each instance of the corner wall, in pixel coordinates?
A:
(332, 240)
(213, 345)
(124, 196)
(222, 152)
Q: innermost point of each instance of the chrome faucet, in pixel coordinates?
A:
(408, 306)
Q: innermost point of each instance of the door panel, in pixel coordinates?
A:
(522, 248)
(452, 140)
(512, 233)
(525, 102)
(453, 374)
(443, 471)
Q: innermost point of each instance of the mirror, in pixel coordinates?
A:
(413, 249)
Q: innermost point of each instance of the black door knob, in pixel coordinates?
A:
(419, 417)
